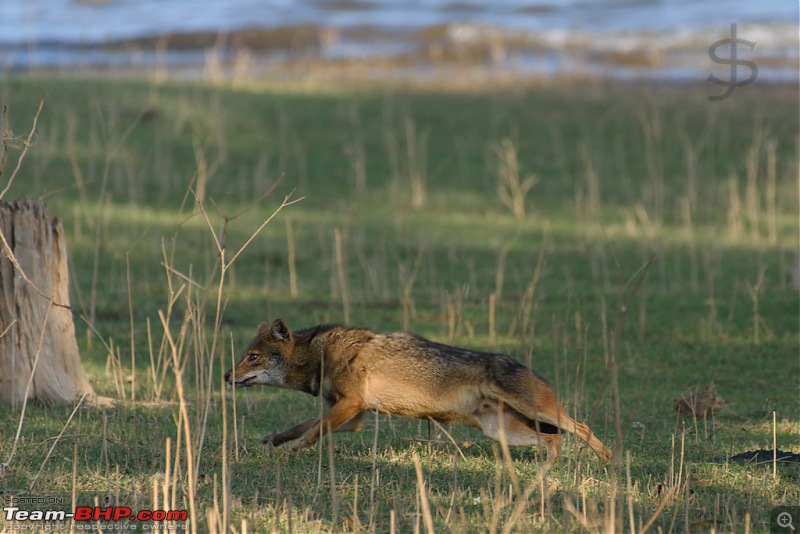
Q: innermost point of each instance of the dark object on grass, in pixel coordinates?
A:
(701, 402)
(762, 456)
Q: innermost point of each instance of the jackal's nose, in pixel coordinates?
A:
(228, 376)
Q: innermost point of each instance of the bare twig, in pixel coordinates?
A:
(286, 202)
(183, 277)
(25, 147)
(4, 332)
(256, 202)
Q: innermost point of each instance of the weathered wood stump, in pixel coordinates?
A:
(37, 335)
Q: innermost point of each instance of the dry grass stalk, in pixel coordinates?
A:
(426, 510)
(592, 182)
(752, 196)
(492, 329)
(512, 189)
(417, 156)
(290, 243)
(334, 491)
(652, 131)
(772, 193)
(341, 270)
(755, 293)
(774, 445)
(373, 474)
(735, 224)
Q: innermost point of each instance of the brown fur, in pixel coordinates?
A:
(356, 370)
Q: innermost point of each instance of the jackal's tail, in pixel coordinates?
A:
(537, 401)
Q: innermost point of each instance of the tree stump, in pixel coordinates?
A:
(37, 334)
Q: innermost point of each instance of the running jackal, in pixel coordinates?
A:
(358, 370)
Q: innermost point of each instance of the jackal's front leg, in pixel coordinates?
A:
(279, 438)
(344, 416)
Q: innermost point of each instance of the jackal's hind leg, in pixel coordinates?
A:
(500, 422)
(552, 444)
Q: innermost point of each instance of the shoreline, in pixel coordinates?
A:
(681, 56)
(313, 74)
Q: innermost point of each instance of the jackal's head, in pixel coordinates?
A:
(265, 361)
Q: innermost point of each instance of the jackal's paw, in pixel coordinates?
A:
(302, 444)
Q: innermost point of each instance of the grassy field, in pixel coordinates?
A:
(629, 242)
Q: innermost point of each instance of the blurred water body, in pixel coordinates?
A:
(617, 38)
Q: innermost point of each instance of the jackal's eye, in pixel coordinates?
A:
(252, 356)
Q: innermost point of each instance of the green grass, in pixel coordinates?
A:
(619, 167)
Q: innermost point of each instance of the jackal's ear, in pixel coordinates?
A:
(263, 328)
(280, 331)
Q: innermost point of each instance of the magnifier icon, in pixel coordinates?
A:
(785, 520)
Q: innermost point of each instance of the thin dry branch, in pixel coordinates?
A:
(250, 206)
(25, 147)
(4, 332)
(183, 277)
(286, 202)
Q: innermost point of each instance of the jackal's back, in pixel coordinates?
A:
(416, 358)
(409, 375)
